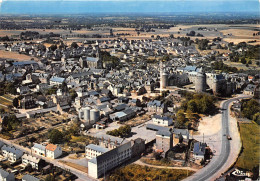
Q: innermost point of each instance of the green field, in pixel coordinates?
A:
(250, 136)
(135, 172)
(5, 101)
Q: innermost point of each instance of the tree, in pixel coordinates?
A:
(192, 106)
(121, 131)
(73, 94)
(166, 58)
(2, 111)
(10, 88)
(250, 108)
(74, 45)
(171, 154)
(192, 33)
(29, 168)
(10, 123)
(256, 118)
(53, 47)
(157, 155)
(50, 178)
(15, 102)
(41, 47)
(243, 60)
(180, 119)
(55, 136)
(219, 46)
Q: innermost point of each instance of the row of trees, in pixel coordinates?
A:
(120, 132)
(106, 57)
(7, 87)
(203, 44)
(57, 137)
(6, 38)
(193, 33)
(219, 65)
(10, 123)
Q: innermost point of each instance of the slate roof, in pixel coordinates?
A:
(97, 148)
(250, 87)
(3, 173)
(120, 107)
(92, 59)
(180, 131)
(30, 178)
(12, 150)
(24, 63)
(156, 127)
(110, 153)
(190, 68)
(155, 103)
(199, 148)
(129, 111)
(31, 158)
(164, 132)
(57, 79)
(39, 146)
(104, 99)
(162, 118)
(120, 114)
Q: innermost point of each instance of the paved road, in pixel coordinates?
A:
(212, 168)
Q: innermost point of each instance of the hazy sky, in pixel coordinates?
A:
(126, 6)
(143, 0)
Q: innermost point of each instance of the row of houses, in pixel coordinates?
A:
(50, 151)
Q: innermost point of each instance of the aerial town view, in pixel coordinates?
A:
(129, 90)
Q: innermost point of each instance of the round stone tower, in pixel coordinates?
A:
(164, 80)
(200, 81)
(215, 85)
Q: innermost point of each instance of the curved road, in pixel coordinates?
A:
(207, 172)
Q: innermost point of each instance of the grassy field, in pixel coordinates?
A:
(76, 166)
(6, 101)
(15, 56)
(250, 135)
(139, 173)
(157, 162)
(241, 66)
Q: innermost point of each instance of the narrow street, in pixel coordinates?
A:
(226, 150)
(82, 176)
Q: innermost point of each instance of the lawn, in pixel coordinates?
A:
(9, 97)
(5, 101)
(157, 162)
(135, 172)
(250, 136)
(76, 166)
(76, 139)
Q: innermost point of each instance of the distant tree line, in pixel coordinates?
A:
(219, 65)
(203, 44)
(193, 33)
